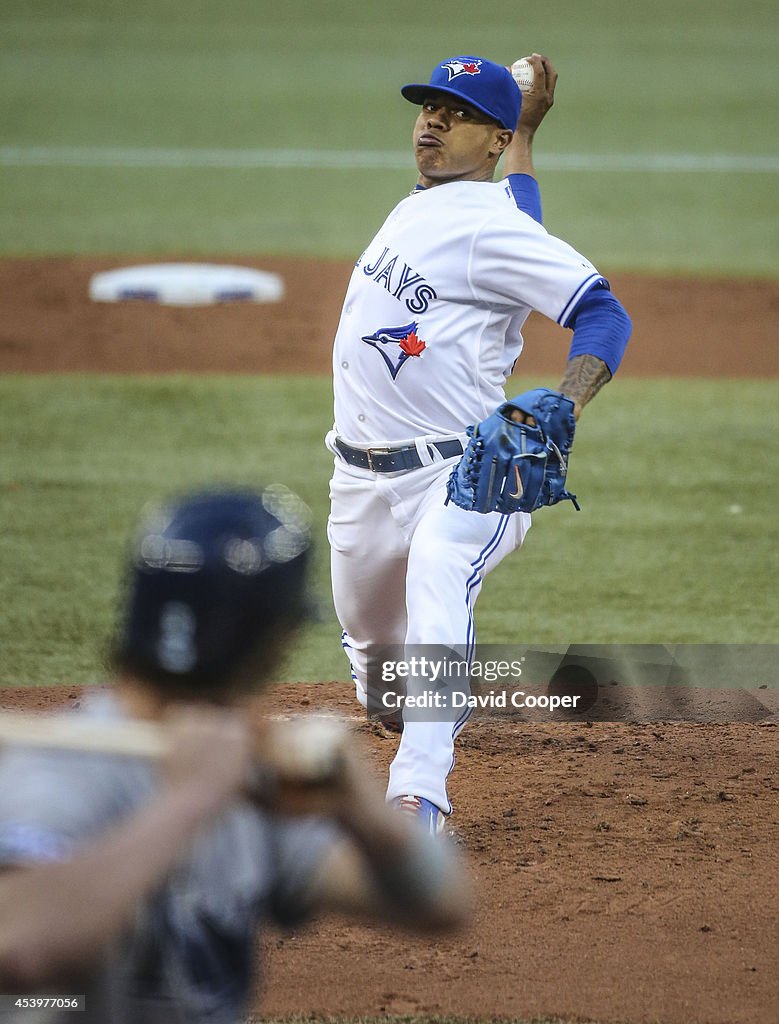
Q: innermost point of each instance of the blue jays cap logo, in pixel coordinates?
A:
(396, 345)
(455, 68)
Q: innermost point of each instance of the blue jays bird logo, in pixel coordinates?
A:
(459, 67)
(396, 345)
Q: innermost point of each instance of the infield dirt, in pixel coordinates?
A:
(682, 326)
(624, 872)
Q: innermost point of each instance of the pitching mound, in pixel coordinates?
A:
(623, 872)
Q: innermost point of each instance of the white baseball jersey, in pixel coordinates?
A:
(431, 323)
(430, 329)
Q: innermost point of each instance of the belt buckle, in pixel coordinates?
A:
(375, 451)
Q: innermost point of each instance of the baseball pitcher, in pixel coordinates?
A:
(436, 474)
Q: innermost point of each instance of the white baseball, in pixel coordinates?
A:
(307, 749)
(523, 74)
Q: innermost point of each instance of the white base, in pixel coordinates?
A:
(186, 284)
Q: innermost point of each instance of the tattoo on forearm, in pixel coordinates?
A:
(583, 378)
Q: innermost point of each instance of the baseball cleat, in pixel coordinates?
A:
(393, 724)
(424, 812)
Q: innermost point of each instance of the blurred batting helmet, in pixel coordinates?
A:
(216, 578)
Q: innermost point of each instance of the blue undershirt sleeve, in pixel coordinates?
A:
(601, 327)
(527, 195)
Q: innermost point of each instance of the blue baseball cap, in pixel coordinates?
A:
(485, 85)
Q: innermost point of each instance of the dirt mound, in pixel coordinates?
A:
(682, 326)
(624, 872)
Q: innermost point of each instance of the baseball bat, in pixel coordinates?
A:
(132, 739)
(303, 751)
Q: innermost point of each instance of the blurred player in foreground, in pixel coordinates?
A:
(143, 888)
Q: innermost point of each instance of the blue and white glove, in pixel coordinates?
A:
(514, 467)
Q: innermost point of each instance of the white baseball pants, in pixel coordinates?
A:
(407, 569)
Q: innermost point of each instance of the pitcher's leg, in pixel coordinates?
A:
(451, 552)
(369, 601)
(368, 569)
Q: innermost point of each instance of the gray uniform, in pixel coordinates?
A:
(190, 953)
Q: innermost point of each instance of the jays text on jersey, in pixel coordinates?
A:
(431, 323)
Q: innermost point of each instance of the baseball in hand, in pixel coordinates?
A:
(306, 750)
(523, 74)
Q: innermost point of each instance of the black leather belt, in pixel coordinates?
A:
(394, 460)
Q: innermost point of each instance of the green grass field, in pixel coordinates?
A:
(638, 82)
(113, 118)
(673, 544)
(154, 127)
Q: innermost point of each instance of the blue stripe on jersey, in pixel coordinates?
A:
(601, 327)
(527, 195)
(457, 727)
(478, 564)
(586, 284)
